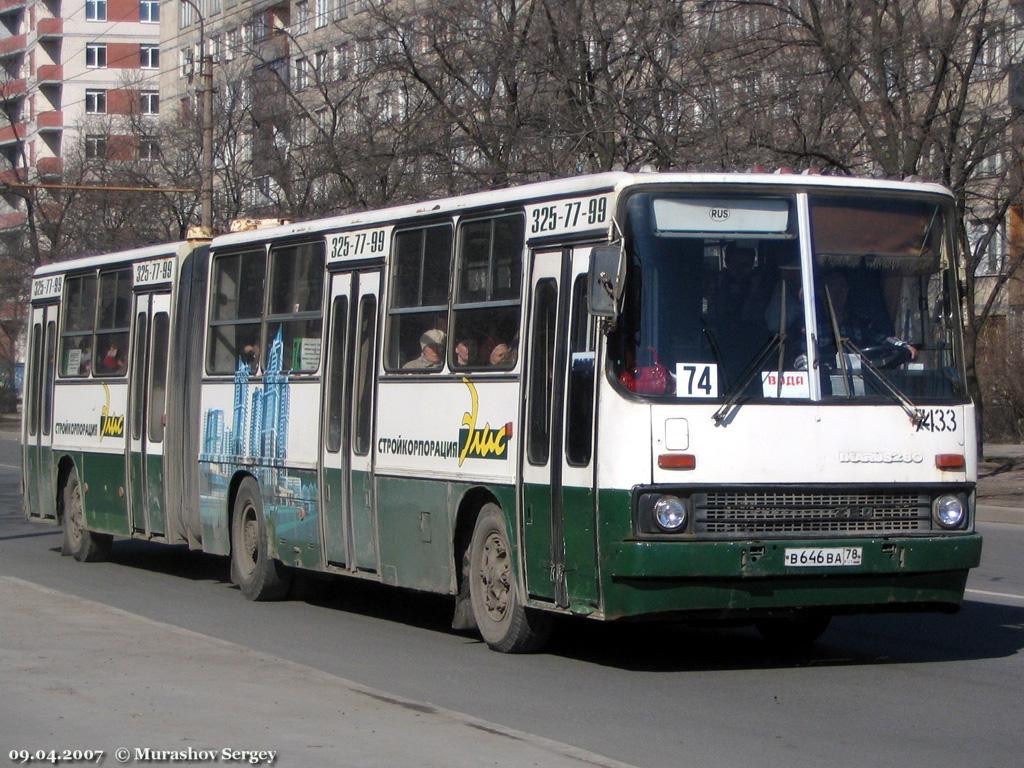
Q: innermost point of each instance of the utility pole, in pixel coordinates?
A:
(206, 98)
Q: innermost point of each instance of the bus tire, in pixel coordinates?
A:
(78, 541)
(504, 622)
(257, 574)
(793, 633)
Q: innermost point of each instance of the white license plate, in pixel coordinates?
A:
(811, 557)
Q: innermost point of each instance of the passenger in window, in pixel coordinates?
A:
(505, 355)
(113, 360)
(250, 355)
(431, 351)
(465, 353)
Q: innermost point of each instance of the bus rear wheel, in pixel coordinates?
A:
(257, 574)
(83, 544)
(504, 622)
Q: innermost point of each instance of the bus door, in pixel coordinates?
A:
(347, 408)
(40, 482)
(558, 477)
(147, 412)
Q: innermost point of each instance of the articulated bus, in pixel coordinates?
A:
(734, 397)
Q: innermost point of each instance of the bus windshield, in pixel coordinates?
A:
(717, 305)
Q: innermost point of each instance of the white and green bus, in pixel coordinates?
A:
(728, 396)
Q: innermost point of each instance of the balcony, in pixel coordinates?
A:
(11, 133)
(50, 121)
(13, 89)
(49, 28)
(11, 220)
(49, 167)
(9, 6)
(12, 45)
(49, 74)
(13, 176)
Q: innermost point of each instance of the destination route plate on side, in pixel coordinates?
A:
(823, 557)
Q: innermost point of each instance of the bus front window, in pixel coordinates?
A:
(714, 304)
(883, 299)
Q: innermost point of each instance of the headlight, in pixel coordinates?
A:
(949, 511)
(670, 514)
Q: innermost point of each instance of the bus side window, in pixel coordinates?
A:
(336, 373)
(112, 321)
(158, 375)
(364, 372)
(579, 399)
(48, 371)
(79, 310)
(418, 299)
(488, 290)
(236, 312)
(542, 366)
(32, 391)
(296, 301)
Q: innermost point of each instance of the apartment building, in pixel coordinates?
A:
(71, 69)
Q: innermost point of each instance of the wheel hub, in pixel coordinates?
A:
(495, 576)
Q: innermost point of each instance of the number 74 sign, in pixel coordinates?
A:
(696, 380)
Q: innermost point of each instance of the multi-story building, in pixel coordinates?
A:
(70, 70)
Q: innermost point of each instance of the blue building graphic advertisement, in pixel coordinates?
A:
(257, 440)
(259, 424)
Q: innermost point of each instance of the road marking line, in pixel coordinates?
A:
(11, 466)
(995, 594)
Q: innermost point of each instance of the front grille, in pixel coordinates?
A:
(766, 513)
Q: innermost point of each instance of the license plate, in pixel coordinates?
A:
(811, 557)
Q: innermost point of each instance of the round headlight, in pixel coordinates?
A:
(949, 511)
(670, 513)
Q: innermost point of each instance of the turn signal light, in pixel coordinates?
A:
(677, 461)
(950, 461)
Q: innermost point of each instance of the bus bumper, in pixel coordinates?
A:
(751, 577)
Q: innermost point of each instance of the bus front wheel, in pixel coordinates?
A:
(257, 574)
(83, 544)
(504, 622)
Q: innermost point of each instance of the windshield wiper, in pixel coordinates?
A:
(778, 340)
(842, 343)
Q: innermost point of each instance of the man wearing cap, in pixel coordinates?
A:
(431, 350)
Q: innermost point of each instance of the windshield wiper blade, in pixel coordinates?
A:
(747, 376)
(915, 413)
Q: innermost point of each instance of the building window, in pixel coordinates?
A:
(149, 149)
(95, 146)
(185, 59)
(149, 11)
(341, 60)
(302, 18)
(95, 10)
(301, 74)
(320, 66)
(95, 101)
(96, 55)
(321, 13)
(149, 102)
(149, 56)
(186, 14)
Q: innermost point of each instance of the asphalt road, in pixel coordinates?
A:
(904, 690)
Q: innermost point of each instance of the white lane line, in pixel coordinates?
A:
(11, 466)
(995, 594)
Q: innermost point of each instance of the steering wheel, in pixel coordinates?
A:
(887, 355)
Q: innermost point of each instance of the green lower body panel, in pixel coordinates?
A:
(290, 505)
(537, 540)
(642, 578)
(364, 530)
(417, 521)
(105, 501)
(334, 523)
(155, 493)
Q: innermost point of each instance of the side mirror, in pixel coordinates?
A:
(605, 279)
